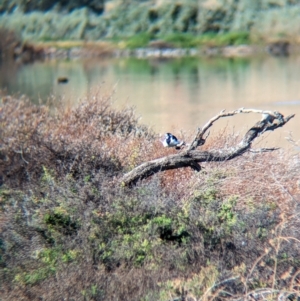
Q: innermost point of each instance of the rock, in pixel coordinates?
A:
(62, 80)
(235, 51)
(159, 44)
(279, 48)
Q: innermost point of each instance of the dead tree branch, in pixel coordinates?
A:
(190, 157)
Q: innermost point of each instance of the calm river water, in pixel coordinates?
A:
(176, 95)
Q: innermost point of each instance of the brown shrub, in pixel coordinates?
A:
(70, 231)
(89, 139)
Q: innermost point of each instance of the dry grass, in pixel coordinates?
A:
(70, 231)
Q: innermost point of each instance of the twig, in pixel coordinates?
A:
(218, 285)
(263, 150)
(21, 153)
(268, 117)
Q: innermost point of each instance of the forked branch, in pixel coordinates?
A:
(190, 157)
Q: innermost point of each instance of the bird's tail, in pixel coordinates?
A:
(180, 145)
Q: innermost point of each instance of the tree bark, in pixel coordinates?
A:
(191, 157)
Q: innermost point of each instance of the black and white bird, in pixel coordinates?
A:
(171, 141)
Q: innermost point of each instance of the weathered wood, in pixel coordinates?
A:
(190, 157)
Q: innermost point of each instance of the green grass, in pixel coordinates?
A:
(224, 39)
(185, 40)
(181, 40)
(137, 41)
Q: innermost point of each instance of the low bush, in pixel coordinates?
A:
(70, 230)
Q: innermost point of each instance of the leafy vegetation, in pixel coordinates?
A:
(45, 5)
(70, 230)
(136, 41)
(186, 23)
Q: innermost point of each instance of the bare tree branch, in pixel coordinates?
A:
(190, 157)
(263, 150)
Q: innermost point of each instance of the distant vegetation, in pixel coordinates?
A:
(26, 6)
(69, 230)
(187, 23)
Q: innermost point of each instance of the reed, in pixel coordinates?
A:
(261, 20)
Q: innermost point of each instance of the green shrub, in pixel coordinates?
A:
(61, 221)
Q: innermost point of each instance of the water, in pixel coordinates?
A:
(175, 95)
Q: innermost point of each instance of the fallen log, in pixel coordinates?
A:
(190, 156)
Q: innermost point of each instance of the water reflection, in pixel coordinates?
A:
(171, 95)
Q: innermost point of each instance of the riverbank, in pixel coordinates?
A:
(107, 50)
(156, 28)
(88, 50)
(12, 47)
